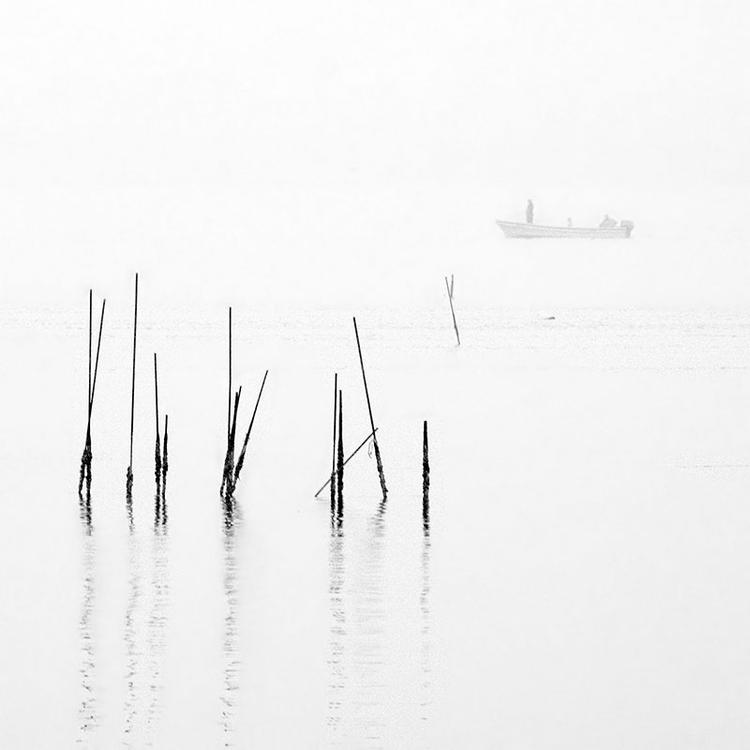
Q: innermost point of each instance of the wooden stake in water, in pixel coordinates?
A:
(449, 288)
(84, 456)
(91, 325)
(227, 482)
(333, 457)
(85, 472)
(229, 391)
(164, 469)
(241, 460)
(157, 449)
(340, 478)
(425, 479)
(129, 475)
(372, 422)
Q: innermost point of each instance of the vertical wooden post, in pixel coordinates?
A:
(229, 391)
(425, 478)
(164, 469)
(157, 449)
(340, 493)
(91, 325)
(333, 457)
(129, 475)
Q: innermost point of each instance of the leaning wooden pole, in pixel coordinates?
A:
(129, 476)
(96, 362)
(87, 441)
(449, 289)
(241, 460)
(87, 454)
(372, 421)
(349, 458)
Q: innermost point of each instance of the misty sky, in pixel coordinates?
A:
(233, 93)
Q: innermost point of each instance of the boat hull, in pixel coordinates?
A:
(517, 230)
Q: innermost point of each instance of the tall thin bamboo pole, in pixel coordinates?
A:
(129, 475)
(333, 456)
(241, 460)
(229, 390)
(372, 421)
(157, 449)
(340, 477)
(425, 478)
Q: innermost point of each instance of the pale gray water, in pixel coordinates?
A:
(581, 585)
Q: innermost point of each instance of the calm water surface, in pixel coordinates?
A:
(580, 582)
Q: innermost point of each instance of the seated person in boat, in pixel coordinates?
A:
(607, 222)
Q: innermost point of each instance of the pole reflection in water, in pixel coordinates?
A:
(337, 632)
(232, 523)
(87, 714)
(371, 688)
(426, 625)
(157, 628)
(133, 651)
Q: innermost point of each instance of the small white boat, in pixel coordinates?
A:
(517, 230)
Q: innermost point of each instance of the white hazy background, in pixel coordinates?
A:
(586, 582)
(309, 140)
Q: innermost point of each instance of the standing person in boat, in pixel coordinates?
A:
(529, 212)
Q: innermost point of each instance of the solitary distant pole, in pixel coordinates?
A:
(129, 476)
(372, 421)
(449, 288)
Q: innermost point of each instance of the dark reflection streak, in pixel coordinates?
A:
(129, 508)
(157, 625)
(231, 629)
(426, 630)
(87, 711)
(130, 637)
(84, 506)
(337, 638)
(368, 658)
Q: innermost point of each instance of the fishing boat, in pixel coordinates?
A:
(516, 230)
